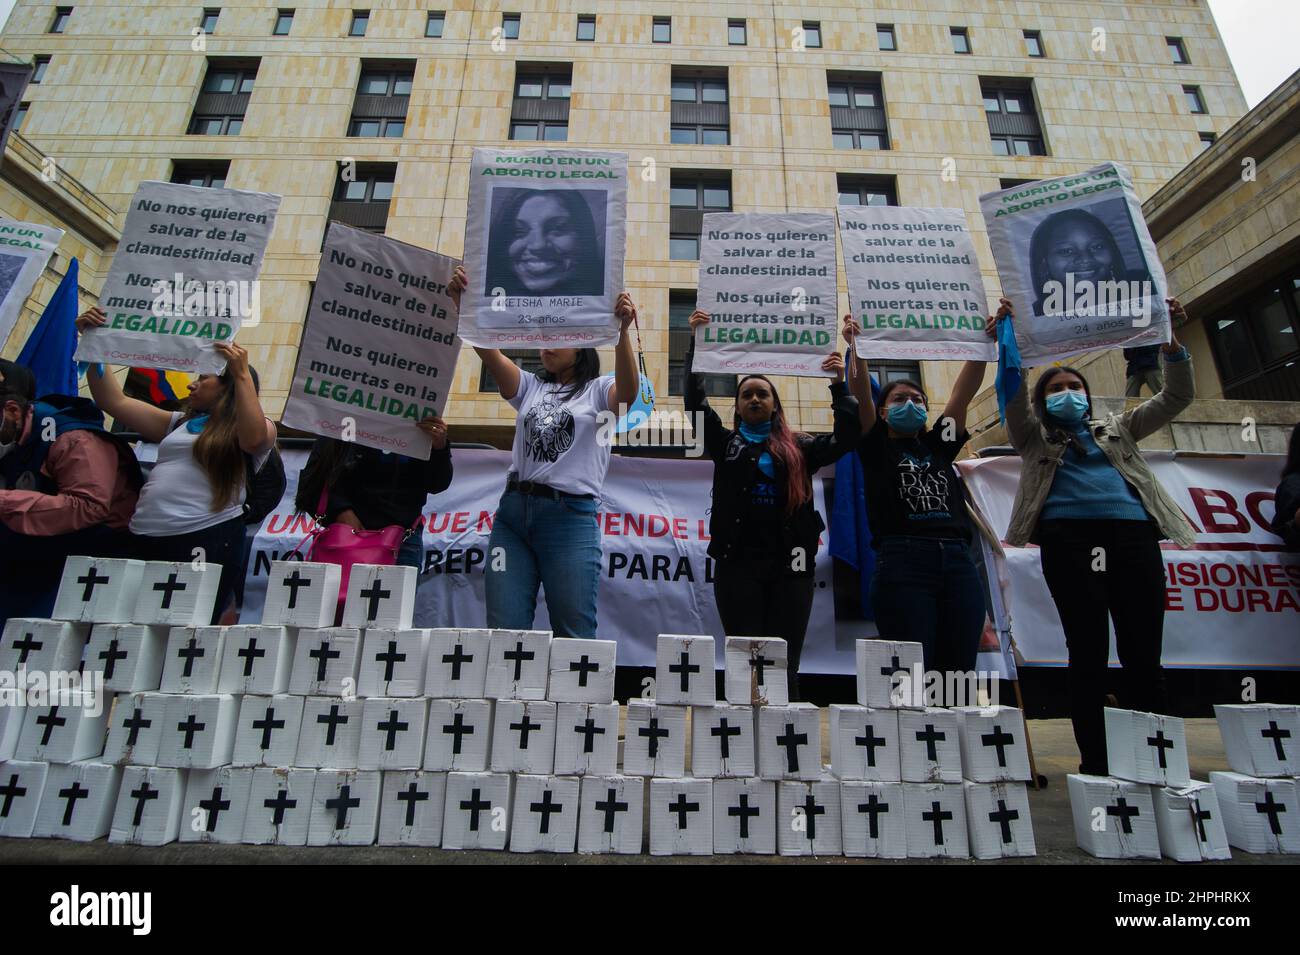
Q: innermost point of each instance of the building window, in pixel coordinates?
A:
(736, 32)
(1207, 140)
(1034, 43)
(690, 196)
(865, 191)
(681, 302)
(857, 111)
(1013, 121)
(208, 23)
(283, 23)
(223, 98)
(812, 34)
(362, 195)
(1256, 342)
(383, 94)
(1194, 102)
(587, 27)
(700, 111)
(510, 26)
(960, 39)
(885, 38)
(662, 31)
(887, 370)
(60, 21)
(1014, 183)
(39, 65)
(434, 24)
(21, 114)
(360, 20)
(541, 102)
(529, 361)
(1177, 51)
(210, 174)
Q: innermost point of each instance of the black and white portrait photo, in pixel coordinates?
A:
(1077, 248)
(546, 242)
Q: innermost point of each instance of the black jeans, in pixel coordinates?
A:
(755, 601)
(1127, 587)
(31, 567)
(222, 544)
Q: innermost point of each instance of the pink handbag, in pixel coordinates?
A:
(344, 545)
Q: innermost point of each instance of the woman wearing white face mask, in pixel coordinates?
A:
(925, 589)
(1089, 500)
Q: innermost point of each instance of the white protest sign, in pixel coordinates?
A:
(24, 249)
(184, 276)
(1078, 264)
(379, 346)
(768, 284)
(544, 243)
(914, 284)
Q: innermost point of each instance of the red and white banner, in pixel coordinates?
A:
(1233, 600)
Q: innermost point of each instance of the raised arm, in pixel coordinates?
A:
(141, 417)
(627, 378)
(1178, 391)
(503, 371)
(859, 378)
(971, 376)
(846, 428)
(696, 399)
(255, 431)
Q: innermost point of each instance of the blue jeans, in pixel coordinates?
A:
(927, 591)
(411, 553)
(538, 540)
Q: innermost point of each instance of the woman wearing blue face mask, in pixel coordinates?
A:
(925, 589)
(1089, 500)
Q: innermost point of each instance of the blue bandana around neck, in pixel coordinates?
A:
(196, 424)
(757, 434)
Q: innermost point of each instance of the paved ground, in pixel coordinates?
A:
(1052, 741)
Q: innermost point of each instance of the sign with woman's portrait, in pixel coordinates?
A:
(544, 242)
(1078, 264)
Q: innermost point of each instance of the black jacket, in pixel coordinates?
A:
(382, 489)
(1287, 500)
(735, 471)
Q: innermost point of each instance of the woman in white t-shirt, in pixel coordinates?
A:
(545, 531)
(192, 504)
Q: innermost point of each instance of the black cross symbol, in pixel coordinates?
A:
(894, 667)
(142, 795)
(189, 727)
(546, 807)
(213, 807)
(610, 807)
(937, 816)
(1272, 809)
(744, 811)
(268, 724)
(458, 728)
(519, 655)
(1199, 816)
(724, 730)
(26, 645)
(72, 794)
(1124, 811)
(1003, 818)
(293, 582)
(278, 805)
(525, 726)
(930, 737)
(1273, 733)
(582, 668)
(90, 580)
(168, 587)
(999, 739)
(411, 795)
(870, 741)
(323, 655)
(333, 719)
(792, 741)
(391, 727)
(376, 593)
(759, 663)
(655, 733)
(111, 655)
(685, 668)
(874, 806)
(341, 804)
(682, 807)
(811, 811)
(589, 730)
(390, 658)
(474, 805)
(49, 721)
(11, 791)
(456, 659)
(188, 653)
(135, 723)
(1161, 744)
(250, 653)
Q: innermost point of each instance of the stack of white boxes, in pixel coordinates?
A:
(1258, 799)
(1149, 805)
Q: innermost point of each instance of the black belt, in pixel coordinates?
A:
(536, 489)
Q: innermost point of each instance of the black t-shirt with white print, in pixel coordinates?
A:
(911, 487)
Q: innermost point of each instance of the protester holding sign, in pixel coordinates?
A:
(192, 505)
(67, 487)
(545, 530)
(764, 528)
(925, 588)
(1089, 500)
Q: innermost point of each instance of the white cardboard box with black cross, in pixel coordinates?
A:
(181, 594)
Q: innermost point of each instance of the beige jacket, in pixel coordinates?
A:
(1118, 436)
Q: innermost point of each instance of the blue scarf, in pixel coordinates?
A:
(757, 434)
(196, 424)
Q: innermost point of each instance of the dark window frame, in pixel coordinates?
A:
(1032, 38)
(656, 24)
(225, 119)
(1244, 311)
(213, 14)
(887, 29)
(542, 126)
(681, 302)
(1194, 100)
(1178, 51)
(372, 176)
(864, 187)
(741, 25)
(359, 18)
(1004, 143)
(40, 64)
(60, 22)
(436, 18)
(528, 360)
(700, 182)
(586, 20)
(285, 16)
(509, 20)
(963, 34)
(20, 114)
(813, 27)
(185, 170)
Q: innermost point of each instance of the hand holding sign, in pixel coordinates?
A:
(92, 317)
(436, 429)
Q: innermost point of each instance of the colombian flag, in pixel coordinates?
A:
(164, 385)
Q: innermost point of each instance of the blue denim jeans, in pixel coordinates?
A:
(411, 553)
(539, 540)
(927, 591)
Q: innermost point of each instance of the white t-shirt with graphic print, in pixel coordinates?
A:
(555, 442)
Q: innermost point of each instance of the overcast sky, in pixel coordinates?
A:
(1261, 36)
